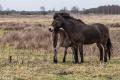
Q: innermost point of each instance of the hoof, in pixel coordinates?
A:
(101, 60)
(75, 62)
(105, 60)
(64, 60)
(82, 61)
(55, 61)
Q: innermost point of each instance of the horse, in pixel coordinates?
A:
(61, 39)
(81, 33)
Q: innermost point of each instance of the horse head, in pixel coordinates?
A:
(51, 29)
(59, 20)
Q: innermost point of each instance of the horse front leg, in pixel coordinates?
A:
(55, 56)
(81, 52)
(65, 53)
(75, 54)
(55, 40)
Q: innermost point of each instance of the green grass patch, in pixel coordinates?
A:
(38, 65)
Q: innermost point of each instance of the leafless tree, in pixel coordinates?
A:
(1, 8)
(42, 9)
(74, 9)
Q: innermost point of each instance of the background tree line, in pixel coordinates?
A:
(107, 9)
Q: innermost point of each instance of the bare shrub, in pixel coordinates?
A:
(15, 25)
(29, 38)
(114, 25)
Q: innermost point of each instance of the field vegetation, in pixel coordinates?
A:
(26, 51)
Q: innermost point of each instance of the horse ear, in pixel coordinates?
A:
(61, 17)
(55, 16)
(66, 15)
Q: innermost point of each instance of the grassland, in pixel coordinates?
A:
(35, 63)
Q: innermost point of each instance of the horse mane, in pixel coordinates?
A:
(67, 16)
(80, 21)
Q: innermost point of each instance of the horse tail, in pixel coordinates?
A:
(109, 48)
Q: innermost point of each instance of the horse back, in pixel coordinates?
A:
(95, 33)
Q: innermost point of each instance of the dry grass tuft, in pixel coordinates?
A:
(114, 25)
(29, 38)
(16, 25)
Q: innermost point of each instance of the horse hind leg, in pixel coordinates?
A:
(81, 52)
(105, 53)
(55, 56)
(109, 48)
(100, 47)
(65, 53)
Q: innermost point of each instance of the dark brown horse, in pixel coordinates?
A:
(80, 33)
(61, 39)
